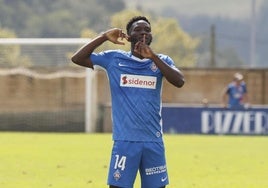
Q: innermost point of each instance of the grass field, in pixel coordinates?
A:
(41, 160)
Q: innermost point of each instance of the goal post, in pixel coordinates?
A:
(90, 101)
(43, 48)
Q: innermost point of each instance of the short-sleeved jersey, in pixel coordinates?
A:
(236, 93)
(136, 87)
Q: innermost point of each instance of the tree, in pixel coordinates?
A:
(171, 39)
(168, 37)
(10, 55)
(61, 18)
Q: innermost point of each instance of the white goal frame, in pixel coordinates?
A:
(90, 97)
(43, 41)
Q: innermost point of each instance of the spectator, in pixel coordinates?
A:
(234, 95)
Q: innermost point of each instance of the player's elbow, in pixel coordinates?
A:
(75, 60)
(179, 79)
(180, 82)
(177, 82)
(82, 62)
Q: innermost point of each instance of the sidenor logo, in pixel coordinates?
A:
(124, 80)
(138, 81)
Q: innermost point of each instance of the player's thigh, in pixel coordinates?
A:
(124, 164)
(153, 169)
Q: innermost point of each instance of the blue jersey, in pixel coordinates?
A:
(136, 87)
(236, 93)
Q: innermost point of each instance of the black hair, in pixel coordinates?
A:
(134, 19)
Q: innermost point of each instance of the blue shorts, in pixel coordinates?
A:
(129, 157)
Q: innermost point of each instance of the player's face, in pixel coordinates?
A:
(238, 82)
(138, 30)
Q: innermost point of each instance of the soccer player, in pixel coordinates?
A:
(135, 79)
(236, 92)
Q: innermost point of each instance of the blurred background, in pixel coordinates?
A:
(41, 90)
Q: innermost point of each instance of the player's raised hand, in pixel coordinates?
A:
(143, 49)
(115, 34)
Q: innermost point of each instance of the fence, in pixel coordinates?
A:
(47, 93)
(40, 90)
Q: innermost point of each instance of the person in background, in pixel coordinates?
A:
(135, 79)
(235, 94)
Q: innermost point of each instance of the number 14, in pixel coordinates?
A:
(120, 162)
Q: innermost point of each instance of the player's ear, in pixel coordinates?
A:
(128, 38)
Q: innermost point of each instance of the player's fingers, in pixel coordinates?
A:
(127, 37)
(119, 42)
(138, 47)
(120, 34)
(123, 35)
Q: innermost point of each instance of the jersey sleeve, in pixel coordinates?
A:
(102, 59)
(169, 61)
(228, 88)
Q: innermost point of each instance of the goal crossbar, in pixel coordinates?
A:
(43, 41)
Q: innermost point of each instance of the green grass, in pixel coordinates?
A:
(41, 160)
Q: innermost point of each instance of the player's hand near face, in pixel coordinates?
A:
(114, 35)
(143, 49)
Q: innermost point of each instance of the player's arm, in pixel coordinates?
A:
(81, 57)
(174, 76)
(245, 95)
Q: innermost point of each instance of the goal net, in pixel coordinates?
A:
(41, 90)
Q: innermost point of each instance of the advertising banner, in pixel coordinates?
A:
(208, 120)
